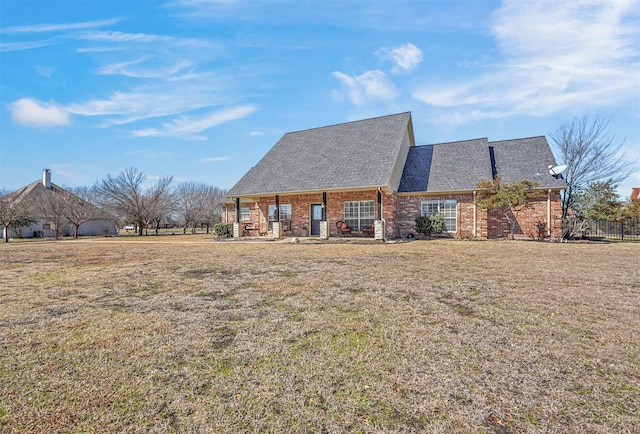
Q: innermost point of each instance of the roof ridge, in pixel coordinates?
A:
(456, 141)
(520, 138)
(347, 123)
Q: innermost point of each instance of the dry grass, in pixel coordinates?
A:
(185, 334)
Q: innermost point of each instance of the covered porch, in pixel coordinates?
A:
(359, 213)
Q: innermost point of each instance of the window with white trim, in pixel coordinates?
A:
(447, 208)
(285, 214)
(359, 214)
(245, 214)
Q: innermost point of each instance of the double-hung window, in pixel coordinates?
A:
(447, 208)
(359, 214)
(245, 214)
(285, 214)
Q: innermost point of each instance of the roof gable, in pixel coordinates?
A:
(527, 158)
(361, 154)
(459, 166)
(36, 194)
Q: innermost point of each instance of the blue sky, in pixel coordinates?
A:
(202, 89)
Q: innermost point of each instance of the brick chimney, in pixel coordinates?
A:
(635, 193)
(46, 178)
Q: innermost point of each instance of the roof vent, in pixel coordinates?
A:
(46, 178)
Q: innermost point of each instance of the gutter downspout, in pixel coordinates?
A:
(475, 216)
(549, 213)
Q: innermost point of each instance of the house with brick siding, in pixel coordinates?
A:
(371, 176)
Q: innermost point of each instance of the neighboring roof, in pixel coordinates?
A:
(459, 166)
(37, 193)
(360, 154)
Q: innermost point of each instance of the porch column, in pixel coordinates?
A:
(324, 224)
(475, 216)
(276, 228)
(237, 233)
(379, 227)
(324, 206)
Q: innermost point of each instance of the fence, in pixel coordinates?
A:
(624, 230)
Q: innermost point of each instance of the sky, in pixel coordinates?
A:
(201, 89)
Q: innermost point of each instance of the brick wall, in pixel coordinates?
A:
(532, 223)
(400, 213)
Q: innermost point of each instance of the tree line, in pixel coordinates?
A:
(127, 198)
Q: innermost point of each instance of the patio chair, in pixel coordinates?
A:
(343, 229)
(369, 231)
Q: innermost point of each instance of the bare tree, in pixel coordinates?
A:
(51, 206)
(199, 204)
(88, 194)
(188, 205)
(126, 196)
(212, 206)
(77, 210)
(160, 202)
(591, 154)
(15, 212)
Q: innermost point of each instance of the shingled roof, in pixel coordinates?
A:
(36, 194)
(381, 153)
(528, 158)
(364, 154)
(454, 166)
(459, 166)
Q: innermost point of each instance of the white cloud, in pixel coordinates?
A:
(31, 113)
(115, 36)
(19, 46)
(369, 86)
(162, 41)
(556, 56)
(158, 99)
(405, 58)
(139, 68)
(214, 159)
(41, 28)
(157, 62)
(189, 126)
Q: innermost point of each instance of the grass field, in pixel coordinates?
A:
(187, 334)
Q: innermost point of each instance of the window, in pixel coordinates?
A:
(359, 214)
(285, 214)
(245, 214)
(445, 207)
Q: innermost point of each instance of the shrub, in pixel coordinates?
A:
(223, 230)
(429, 224)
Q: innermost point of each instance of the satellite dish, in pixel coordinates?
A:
(557, 170)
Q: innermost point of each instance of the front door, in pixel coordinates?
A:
(316, 218)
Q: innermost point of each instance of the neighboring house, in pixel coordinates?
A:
(38, 192)
(371, 173)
